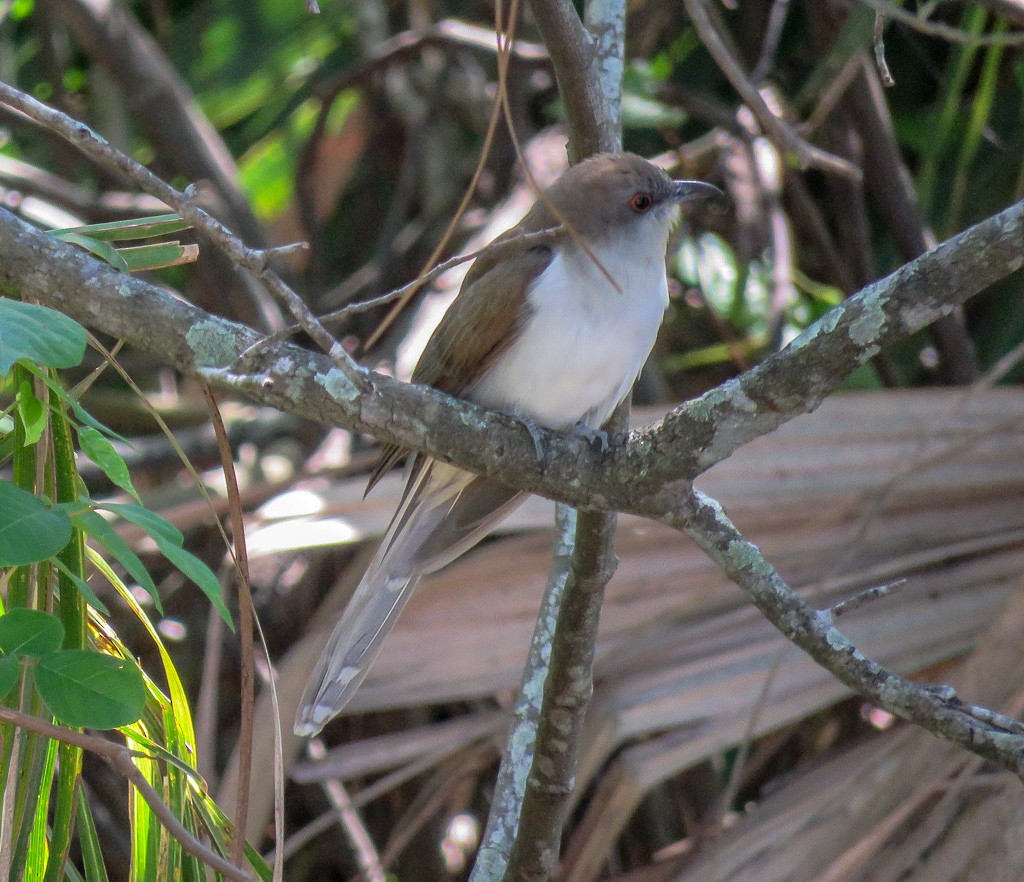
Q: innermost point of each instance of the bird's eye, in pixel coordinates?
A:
(640, 202)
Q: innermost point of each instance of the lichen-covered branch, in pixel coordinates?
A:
(510, 786)
(567, 692)
(633, 478)
(979, 730)
(592, 126)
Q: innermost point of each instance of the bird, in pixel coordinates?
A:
(552, 329)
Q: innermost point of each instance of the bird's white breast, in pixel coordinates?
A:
(585, 342)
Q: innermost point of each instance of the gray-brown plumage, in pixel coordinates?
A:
(554, 332)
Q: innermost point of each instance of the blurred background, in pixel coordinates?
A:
(713, 751)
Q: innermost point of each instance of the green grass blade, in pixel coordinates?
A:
(92, 855)
(136, 228)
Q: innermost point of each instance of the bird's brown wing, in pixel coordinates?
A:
(478, 327)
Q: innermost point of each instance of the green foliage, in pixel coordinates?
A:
(30, 530)
(38, 334)
(70, 665)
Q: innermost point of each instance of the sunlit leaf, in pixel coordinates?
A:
(160, 256)
(150, 521)
(97, 248)
(169, 540)
(199, 573)
(89, 689)
(93, 524)
(84, 587)
(95, 446)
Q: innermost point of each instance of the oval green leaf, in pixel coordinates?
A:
(30, 531)
(30, 632)
(39, 334)
(87, 689)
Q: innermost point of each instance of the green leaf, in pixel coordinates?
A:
(95, 446)
(30, 531)
(87, 689)
(169, 540)
(165, 254)
(93, 524)
(100, 249)
(10, 670)
(151, 522)
(92, 856)
(32, 412)
(84, 587)
(30, 632)
(39, 334)
(199, 573)
(136, 228)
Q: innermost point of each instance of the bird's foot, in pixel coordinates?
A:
(535, 430)
(596, 437)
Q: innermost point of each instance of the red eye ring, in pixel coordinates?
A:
(640, 202)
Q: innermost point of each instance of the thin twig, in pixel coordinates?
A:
(510, 786)
(528, 240)
(345, 813)
(941, 30)
(866, 596)
(878, 38)
(772, 35)
(567, 691)
(781, 133)
(985, 733)
(120, 757)
(253, 259)
(504, 49)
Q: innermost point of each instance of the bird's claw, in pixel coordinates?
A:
(594, 436)
(534, 431)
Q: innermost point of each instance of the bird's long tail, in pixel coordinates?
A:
(444, 513)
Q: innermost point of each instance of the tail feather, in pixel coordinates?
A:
(444, 513)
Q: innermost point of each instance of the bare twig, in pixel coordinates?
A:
(352, 825)
(254, 260)
(983, 732)
(866, 596)
(941, 30)
(120, 757)
(503, 48)
(880, 62)
(542, 237)
(510, 787)
(772, 35)
(782, 135)
(567, 691)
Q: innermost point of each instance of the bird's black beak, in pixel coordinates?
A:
(688, 191)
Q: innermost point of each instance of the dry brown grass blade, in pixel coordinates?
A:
(245, 629)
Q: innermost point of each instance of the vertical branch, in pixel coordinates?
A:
(593, 126)
(567, 692)
(538, 769)
(510, 786)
